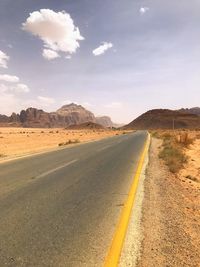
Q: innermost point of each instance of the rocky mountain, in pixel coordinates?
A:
(195, 110)
(76, 114)
(71, 114)
(105, 121)
(165, 119)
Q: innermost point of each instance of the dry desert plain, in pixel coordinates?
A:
(15, 142)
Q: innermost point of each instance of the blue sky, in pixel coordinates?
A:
(150, 58)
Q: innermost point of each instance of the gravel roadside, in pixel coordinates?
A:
(170, 218)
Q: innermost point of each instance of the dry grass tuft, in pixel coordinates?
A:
(172, 151)
(69, 142)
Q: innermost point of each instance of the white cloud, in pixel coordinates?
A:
(3, 60)
(102, 48)
(68, 57)
(9, 78)
(21, 88)
(50, 54)
(16, 88)
(114, 105)
(143, 10)
(46, 101)
(55, 29)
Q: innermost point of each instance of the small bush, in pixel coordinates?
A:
(185, 140)
(61, 144)
(155, 134)
(69, 142)
(192, 178)
(198, 136)
(172, 153)
(173, 157)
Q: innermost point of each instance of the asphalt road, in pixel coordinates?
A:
(61, 208)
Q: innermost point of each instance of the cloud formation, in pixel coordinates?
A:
(102, 49)
(143, 10)
(21, 88)
(50, 54)
(55, 29)
(3, 60)
(14, 88)
(9, 78)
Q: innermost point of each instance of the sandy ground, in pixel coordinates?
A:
(171, 215)
(16, 142)
(192, 169)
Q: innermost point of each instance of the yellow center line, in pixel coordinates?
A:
(114, 253)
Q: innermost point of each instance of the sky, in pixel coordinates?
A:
(115, 57)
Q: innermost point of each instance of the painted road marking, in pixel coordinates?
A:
(56, 169)
(114, 253)
(103, 148)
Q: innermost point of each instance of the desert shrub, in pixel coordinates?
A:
(42, 131)
(184, 139)
(2, 155)
(173, 157)
(155, 134)
(198, 136)
(61, 144)
(192, 178)
(172, 153)
(69, 142)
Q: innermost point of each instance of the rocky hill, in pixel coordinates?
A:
(85, 125)
(105, 121)
(71, 114)
(195, 110)
(165, 119)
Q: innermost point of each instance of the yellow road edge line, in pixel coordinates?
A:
(113, 256)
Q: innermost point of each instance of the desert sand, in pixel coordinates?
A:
(192, 168)
(15, 142)
(171, 205)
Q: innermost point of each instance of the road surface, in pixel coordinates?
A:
(61, 208)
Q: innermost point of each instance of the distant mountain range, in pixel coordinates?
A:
(167, 119)
(75, 116)
(67, 115)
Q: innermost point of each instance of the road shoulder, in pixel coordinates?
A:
(170, 218)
